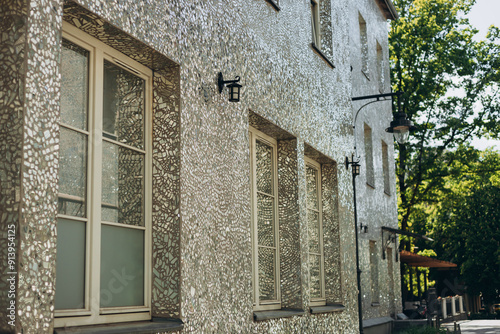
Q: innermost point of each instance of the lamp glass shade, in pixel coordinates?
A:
(234, 92)
(402, 136)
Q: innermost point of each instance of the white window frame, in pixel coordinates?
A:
(92, 313)
(317, 166)
(315, 23)
(257, 303)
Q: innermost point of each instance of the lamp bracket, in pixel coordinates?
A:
(378, 96)
(347, 162)
(221, 83)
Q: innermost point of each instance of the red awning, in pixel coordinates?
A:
(416, 260)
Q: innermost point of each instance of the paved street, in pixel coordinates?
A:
(478, 326)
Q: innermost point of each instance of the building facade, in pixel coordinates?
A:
(374, 148)
(135, 195)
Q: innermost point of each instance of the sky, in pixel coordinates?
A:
(483, 14)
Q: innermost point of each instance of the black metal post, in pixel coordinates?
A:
(360, 306)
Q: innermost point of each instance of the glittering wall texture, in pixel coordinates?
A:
(201, 208)
(30, 109)
(12, 68)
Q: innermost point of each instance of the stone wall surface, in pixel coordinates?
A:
(284, 81)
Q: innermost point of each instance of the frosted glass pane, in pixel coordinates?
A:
(314, 270)
(122, 185)
(313, 229)
(74, 85)
(70, 265)
(122, 266)
(265, 220)
(312, 188)
(267, 270)
(264, 167)
(123, 106)
(72, 173)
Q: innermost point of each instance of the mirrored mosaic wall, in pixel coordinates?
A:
(202, 271)
(12, 77)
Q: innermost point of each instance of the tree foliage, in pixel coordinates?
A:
(464, 221)
(451, 85)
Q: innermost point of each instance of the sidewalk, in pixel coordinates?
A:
(477, 326)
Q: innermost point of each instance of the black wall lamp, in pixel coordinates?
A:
(363, 228)
(400, 126)
(234, 87)
(355, 166)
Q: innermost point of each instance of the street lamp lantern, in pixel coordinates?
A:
(401, 127)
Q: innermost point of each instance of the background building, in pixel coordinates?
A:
(376, 184)
(134, 193)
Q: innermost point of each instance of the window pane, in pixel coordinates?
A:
(264, 166)
(267, 280)
(312, 188)
(314, 270)
(74, 85)
(265, 220)
(122, 185)
(123, 106)
(313, 229)
(72, 173)
(70, 265)
(122, 266)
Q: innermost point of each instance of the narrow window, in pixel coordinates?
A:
(390, 271)
(265, 238)
(370, 177)
(380, 68)
(385, 168)
(315, 22)
(363, 38)
(315, 232)
(374, 272)
(103, 262)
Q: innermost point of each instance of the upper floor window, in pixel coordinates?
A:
(104, 216)
(380, 68)
(370, 175)
(265, 229)
(315, 22)
(321, 29)
(363, 39)
(385, 168)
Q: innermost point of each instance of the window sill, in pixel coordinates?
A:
(274, 4)
(322, 55)
(276, 314)
(388, 193)
(370, 185)
(142, 327)
(329, 308)
(375, 304)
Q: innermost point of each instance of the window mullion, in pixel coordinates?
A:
(96, 175)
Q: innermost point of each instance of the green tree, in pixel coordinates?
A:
(466, 223)
(451, 85)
